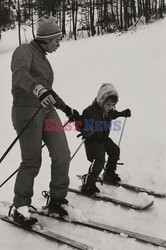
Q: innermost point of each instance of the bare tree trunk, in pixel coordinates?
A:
(161, 8)
(155, 6)
(98, 18)
(92, 7)
(74, 16)
(125, 15)
(19, 21)
(134, 10)
(31, 14)
(140, 8)
(52, 7)
(102, 16)
(0, 19)
(146, 11)
(63, 19)
(164, 6)
(121, 14)
(112, 10)
(105, 15)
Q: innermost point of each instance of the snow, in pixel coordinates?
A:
(135, 63)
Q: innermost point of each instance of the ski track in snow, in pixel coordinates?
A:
(135, 63)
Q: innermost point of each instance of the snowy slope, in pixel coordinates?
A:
(135, 64)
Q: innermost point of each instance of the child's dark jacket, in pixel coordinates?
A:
(95, 119)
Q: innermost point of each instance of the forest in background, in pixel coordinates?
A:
(75, 17)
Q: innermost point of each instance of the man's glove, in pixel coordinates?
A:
(126, 113)
(72, 114)
(45, 96)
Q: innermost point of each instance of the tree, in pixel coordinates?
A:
(90, 15)
(92, 10)
(19, 20)
(7, 17)
(74, 5)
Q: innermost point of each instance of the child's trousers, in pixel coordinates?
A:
(96, 154)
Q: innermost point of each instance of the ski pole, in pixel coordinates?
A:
(122, 131)
(19, 135)
(121, 163)
(18, 168)
(9, 177)
(83, 140)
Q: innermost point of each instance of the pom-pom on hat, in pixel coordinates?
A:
(105, 91)
(47, 28)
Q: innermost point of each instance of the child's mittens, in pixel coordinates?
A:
(126, 113)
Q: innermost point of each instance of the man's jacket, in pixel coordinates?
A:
(30, 67)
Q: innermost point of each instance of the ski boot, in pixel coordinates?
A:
(57, 206)
(89, 190)
(22, 216)
(89, 185)
(111, 178)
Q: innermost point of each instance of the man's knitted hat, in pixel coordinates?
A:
(47, 28)
(105, 91)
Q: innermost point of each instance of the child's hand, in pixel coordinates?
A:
(85, 134)
(72, 114)
(126, 113)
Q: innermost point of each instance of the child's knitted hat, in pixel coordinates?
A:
(105, 91)
(47, 28)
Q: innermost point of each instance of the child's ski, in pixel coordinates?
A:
(135, 188)
(140, 189)
(113, 200)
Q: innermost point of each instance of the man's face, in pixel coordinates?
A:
(53, 44)
(108, 105)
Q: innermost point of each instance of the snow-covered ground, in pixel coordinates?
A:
(135, 63)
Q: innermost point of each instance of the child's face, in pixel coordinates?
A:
(108, 105)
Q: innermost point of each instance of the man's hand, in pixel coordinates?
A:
(46, 97)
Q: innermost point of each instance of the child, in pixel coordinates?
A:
(95, 129)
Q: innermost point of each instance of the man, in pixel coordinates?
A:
(32, 79)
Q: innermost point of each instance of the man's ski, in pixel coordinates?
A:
(113, 200)
(136, 188)
(90, 224)
(110, 229)
(49, 234)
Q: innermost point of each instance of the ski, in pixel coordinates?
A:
(89, 224)
(101, 197)
(111, 229)
(140, 189)
(135, 188)
(49, 234)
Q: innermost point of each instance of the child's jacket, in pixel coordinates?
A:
(97, 125)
